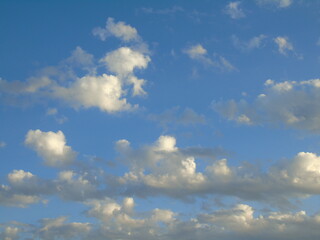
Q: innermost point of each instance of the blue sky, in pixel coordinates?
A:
(159, 119)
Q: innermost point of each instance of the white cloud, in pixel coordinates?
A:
(104, 92)
(234, 11)
(196, 51)
(120, 30)
(51, 147)
(277, 3)
(124, 61)
(284, 46)
(289, 103)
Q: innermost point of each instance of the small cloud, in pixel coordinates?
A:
(253, 43)
(2, 144)
(51, 147)
(178, 116)
(277, 3)
(120, 30)
(51, 111)
(196, 51)
(199, 53)
(284, 46)
(166, 11)
(234, 11)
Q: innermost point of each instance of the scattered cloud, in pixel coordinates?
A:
(234, 11)
(284, 46)
(177, 116)
(253, 43)
(51, 147)
(199, 53)
(120, 30)
(166, 11)
(277, 3)
(292, 104)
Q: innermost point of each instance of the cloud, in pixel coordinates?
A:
(253, 43)
(199, 53)
(177, 116)
(196, 51)
(166, 11)
(2, 144)
(104, 92)
(75, 81)
(284, 46)
(9, 233)
(241, 221)
(234, 11)
(164, 169)
(120, 30)
(277, 3)
(292, 104)
(124, 61)
(53, 228)
(51, 147)
(8, 197)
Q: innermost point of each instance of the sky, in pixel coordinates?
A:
(159, 120)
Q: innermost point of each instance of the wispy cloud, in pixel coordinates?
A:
(234, 11)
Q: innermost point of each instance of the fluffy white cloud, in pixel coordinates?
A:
(284, 46)
(104, 92)
(234, 11)
(117, 29)
(51, 147)
(124, 61)
(290, 103)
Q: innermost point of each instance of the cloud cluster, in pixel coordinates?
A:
(120, 221)
(290, 103)
(164, 169)
(76, 82)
